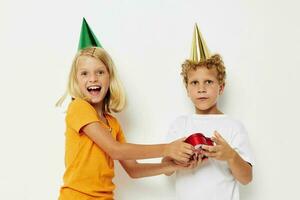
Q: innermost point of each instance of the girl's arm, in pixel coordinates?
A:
(195, 162)
(166, 160)
(138, 170)
(167, 166)
(177, 150)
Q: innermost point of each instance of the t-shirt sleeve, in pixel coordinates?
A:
(120, 136)
(241, 144)
(79, 114)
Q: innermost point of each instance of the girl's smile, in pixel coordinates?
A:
(94, 90)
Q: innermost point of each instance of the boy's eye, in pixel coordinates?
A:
(209, 82)
(194, 82)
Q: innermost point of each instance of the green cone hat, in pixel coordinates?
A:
(87, 37)
(199, 51)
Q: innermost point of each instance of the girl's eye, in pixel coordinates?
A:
(100, 72)
(83, 73)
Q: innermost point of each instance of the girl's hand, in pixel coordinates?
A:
(179, 150)
(197, 160)
(220, 151)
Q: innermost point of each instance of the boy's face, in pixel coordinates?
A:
(204, 89)
(93, 78)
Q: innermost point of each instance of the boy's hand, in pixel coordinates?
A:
(179, 150)
(220, 151)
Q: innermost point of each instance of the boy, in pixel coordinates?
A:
(229, 161)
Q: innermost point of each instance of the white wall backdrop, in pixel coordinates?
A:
(148, 40)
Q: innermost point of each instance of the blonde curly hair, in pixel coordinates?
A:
(214, 61)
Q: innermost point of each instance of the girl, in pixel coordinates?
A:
(94, 138)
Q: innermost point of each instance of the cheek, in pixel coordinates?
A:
(189, 92)
(105, 82)
(81, 82)
(215, 92)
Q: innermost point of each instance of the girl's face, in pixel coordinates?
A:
(204, 89)
(93, 79)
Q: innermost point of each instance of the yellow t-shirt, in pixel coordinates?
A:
(89, 170)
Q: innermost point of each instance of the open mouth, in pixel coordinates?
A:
(94, 90)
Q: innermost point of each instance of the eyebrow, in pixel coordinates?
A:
(82, 69)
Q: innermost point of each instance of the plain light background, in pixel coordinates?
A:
(148, 40)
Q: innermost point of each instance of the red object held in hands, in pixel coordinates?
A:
(198, 139)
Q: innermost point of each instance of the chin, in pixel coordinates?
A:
(202, 108)
(95, 100)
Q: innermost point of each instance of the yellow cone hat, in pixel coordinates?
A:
(199, 51)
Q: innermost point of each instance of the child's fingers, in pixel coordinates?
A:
(200, 161)
(193, 164)
(183, 157)
(188, 146)
(209, 148)
(216, 140)
(219, 136)
(189, 151)
(180, 163)
(210, 154)
(210, 151)
(195, 157)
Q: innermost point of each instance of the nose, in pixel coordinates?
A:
(201, 88)
(93, 78)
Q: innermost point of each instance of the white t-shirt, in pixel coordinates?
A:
(212, 180)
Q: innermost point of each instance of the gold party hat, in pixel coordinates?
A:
(199, 51)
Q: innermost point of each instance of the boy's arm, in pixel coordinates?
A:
(139, 170)
(240, 169)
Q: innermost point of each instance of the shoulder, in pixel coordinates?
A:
(80, 105)
(235, 126)
(79, 102)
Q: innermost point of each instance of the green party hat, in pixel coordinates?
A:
(87, 37)
(199, 51)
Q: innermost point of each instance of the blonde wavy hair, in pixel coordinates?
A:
(115, 96)
(214, 61)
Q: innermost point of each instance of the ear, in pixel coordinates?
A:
(186, 89)
(221, 90)
(187, 92)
